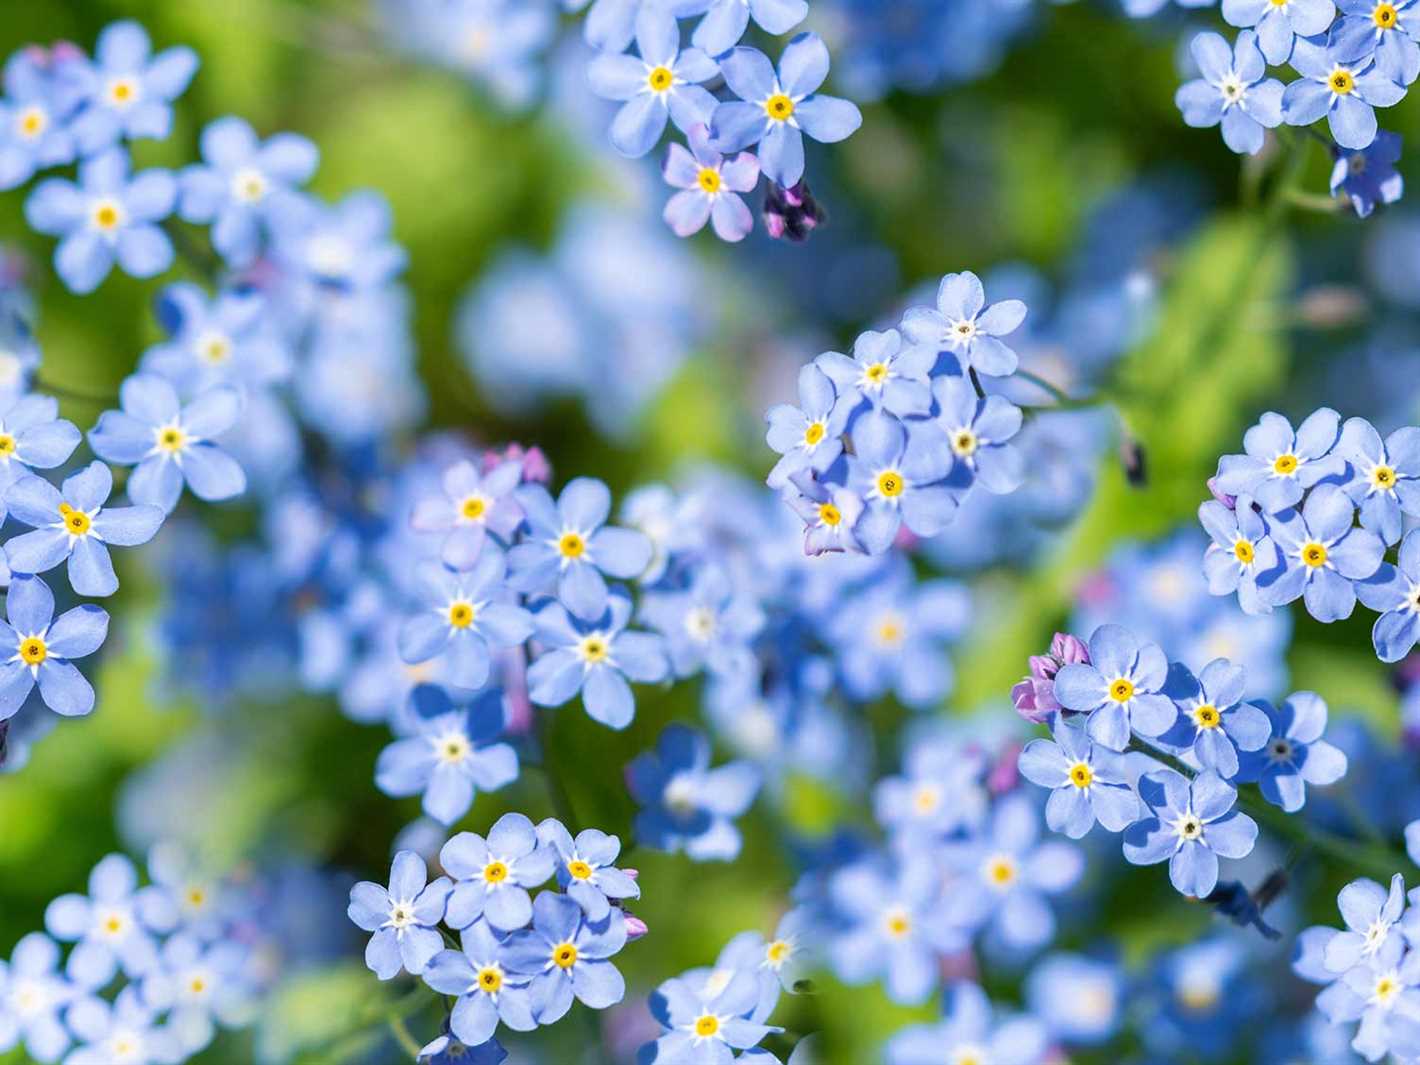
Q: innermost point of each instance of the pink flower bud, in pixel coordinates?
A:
(635, 928)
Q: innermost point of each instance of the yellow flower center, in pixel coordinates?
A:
(594, 648)
(249, 185)
(706, 1025)
(7, 445)
(1081, 775)
(1207, 716)
(1384, 16)
(777, 953)
(214, 348)
(1000, 871)
(813, 433)
(1285, 465)
(76, 522)
(964, 442)
(1383, 477)
(1121, 690)
(898, 924)
(660, 79)
(1314, 554)
(779, 107)
(196, 897)
(876, 374)
(565, 955)
(33, 651)
(495, 872)
(830, 515)
(490, 979)
(891, 630)
(171, 439)
(709, 180)
(1387, 987)
(122, 91)
(473, 508)
(1244, 552)
(453, 748)
(890, 484)
(461, 614)
(1341, 81)
(579, 870)
(113, 924)
(107, 215)
(32, 122)
(197, 985)
(571, 545)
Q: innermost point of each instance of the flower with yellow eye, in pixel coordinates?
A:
(223, 339)
(710, 186)
(1340, 85)
(1121, 687)
(34, 119)
(977, 431)
(705, 1019)
(33, 436)
(809, 436)
(73, 524)
(586, 869)
(899, 472)
(114, 927)
(829, 513)
(1190, 825)
(473, 504)
(566, 957)
(1280, 465)
(1324, 555)
(1241, 553)
(1086, 784)
(488, 991)
(40, 648)
(129, 90)
(1385, 28)
(492, 875)
(883, 372)
(1385, 479)
(1214, 719)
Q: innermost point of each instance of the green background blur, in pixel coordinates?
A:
(1001, 170)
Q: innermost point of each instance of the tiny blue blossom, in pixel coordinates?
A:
(492, 875)
(1190, 824)
(126, 1030)
(1295, 755)
(42, 648)
(403, 917)
(967, 1029)
(114, 926)
(34, 119)
(978, 430)
(1087, 784)
(1323, 554)
(829, 512)
(487, 991)
(1385, 475)
(1280, 465)
(585, 869)
(898, 471)
(1389, 32)
(33, 436)
(711, 625)
(1340, 84)
(567, 957)
(1233, 90)
(1278, 25)
(226, 339)
(809, 436)
(32, 995)
(883, 373)
(1368, 177)
(704, 1019)
(1213, 721)
(1241, 552)
(963, 324)
(686, 805)
(1121, 687)
(128, 91)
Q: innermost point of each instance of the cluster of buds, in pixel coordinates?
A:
(1034, 697)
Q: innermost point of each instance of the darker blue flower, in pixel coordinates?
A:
(686, 805)
(1295, 755)
(1368, 177)
(1190, 824)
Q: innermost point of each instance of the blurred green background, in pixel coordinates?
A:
(1005, 169)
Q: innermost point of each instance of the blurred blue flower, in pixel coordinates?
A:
(128, 91)
(686, 805)
(114, 926)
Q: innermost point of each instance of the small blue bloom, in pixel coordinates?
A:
(1280, 465)
(227, 339)
(34, 119)
(585, 869)
(1234, 89)
(596, 658)
(725, 21)
(686, 805)
(977, 430)
(1079, 999)
(1388, 30)
(711, 625)
(1394, 592)
(1213, 720)
(1190, 825)
(73, 524)
(883, 373)
(125, 1030)
(42, 651)
(1341, 85)
(200, 985)
(33, 436)
(1385, 476)
(127, 91)
(492, 875)
(703, 1019)
(240, 185)
(664, 82)
(448, 1050)
(963, 324)
(32, 994)
(344, 246)
(1369, 176)
(708, 183)
(898, 471)
(809, 436)
(1241, 553)
(1295, 755)
(969, 1032)
(1121, 687)
(1323, 554)
(776, 110)
(566, 956)
(404, 918)
(1087, 784)
(569, 546)
(473, 504)
(487, 991)
(777, 965)
(939, 793)
(450, 758)
(106, 217)
(1278, 25)
(830, 514)
(115, 925)
(170, 444)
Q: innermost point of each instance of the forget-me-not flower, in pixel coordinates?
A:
(1386, 475)
(40, 647)
(1386, 27)
(705, 1019)
(1278, 23)
(466, 616)
(725, 21)
(1295, 755)
(1279, 465)
(969, 1033)
(225, 339)
(403, 917)
(898, 470)
(710, 184)
(126, 1030)
(1394, 592)
(1190, 824)
(1086, 784)
(809, 436)
(829, 512)
(128, 91)
(977, 431)
(1324, 554)
(566, 956)
(1241, 553)
(1340, 84)
(487, 991)
(34, 119)
(114, 926)
(585, 869)
(710, 625)
(1234, 90)
(1213, 720)
(33, 436)
(492, 875)
(474, 503)
(686, 805)
(1368, 177)
(32, 995)
(963, 324)
(883, 373)
(1121, 687)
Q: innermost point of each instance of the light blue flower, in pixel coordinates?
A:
(403, 917)
(1087, 784)
(239, 186)
(777, 964)
(1280, 465)
(1190, 825)
(114, 926)
(1278, 25)
(201, 985)
(1121, 687)
(1369, 176)
(939, 793)
(566, 956)
(170, 444)
(226, 339)
(711, 625)
(977, 430)
(962, 323)
(596, 658)
(664, 82)
(725, 21)
(487, 991)
(34, 119)
(686, 805)
(1388, 30)
(569, 546)
(43, 646)
(1213, 721)
(126, 1030)
(1340, 85)
(1080, 1000)
(450, 758)
(776, 110)
(33, 436)
(829, 512)
(32, 994)
(709, 184)
(1241, 553)
(473, 504)
(127, 91)
(883, 373)
(73, 524)
(809, 436)
(1295, 755)
(703, 1019)
(492, 875)
(969, 1032)
(898, 471)
(1386, 475)
(1234, 89)
(107, 216)
(1394, 592)
(585, 869)
(1323, 554)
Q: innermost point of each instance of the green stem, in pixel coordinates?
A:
(403, 1038)
(1311, 201)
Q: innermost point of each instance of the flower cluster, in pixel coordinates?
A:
(1310, 514)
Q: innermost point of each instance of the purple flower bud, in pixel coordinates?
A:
(1067, 649)
(1034, 697)
(1222, 497)
(791, 214)
(1004, 775)
(635, 928)
(632, 873)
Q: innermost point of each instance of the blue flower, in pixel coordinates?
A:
(1086, 784)
(1190, 825)
(775, 111)
(1369, 177)
(938, 794)
(977, 430)
(42, 650)
(585, 869)
(1121, 687)
(1386, 476)
(1371, 914)
(345, 246)
(703, 1019)
(725, 21)
(450, 758)
(709, 183)
(34, 119)
(127, 1030)
(1295, 755)
(898, 471)
(227, 339)
(963, 324)
(113, 926)
(830, 514)
(448, 1050)
(240, 185)
(404, 918)
(777, 965)
(32, 994)
(200, 985)
(663, 82)
(1241, 552)
(968, 1032)
(1394, 592)
(1389, 31)
(472, 505)
(487, 992)
(33, 436)
(567, 957)
(466, 615)
(128, 92)
(569, 546)
(686, 805)
(1234, 89)
(1383, 993)
(809, 436)
(596, 658)
(107, 216)
(1340, 84)
(710, 625)
(492, 876)
(1278, 25)
(1213, 720)
(74, 524)
(170, 444)
(882, 373)
(1323, 554)
(1279, 464)
(1079, 999)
